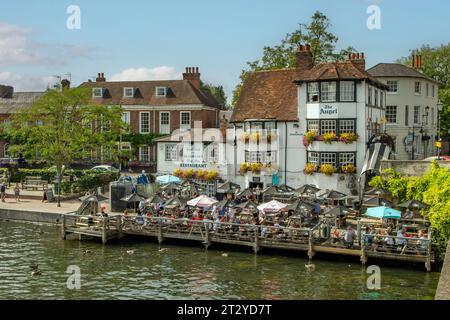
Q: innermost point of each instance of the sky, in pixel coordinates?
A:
(151, 40)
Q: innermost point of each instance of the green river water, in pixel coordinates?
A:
(185, 272)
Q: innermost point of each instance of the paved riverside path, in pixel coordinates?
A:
(39, 206)
(443, 290)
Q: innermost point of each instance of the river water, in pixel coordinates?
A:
(184, 272)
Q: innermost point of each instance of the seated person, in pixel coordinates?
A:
(139, 220)
(368, 239)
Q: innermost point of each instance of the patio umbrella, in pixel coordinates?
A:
(247, 205)
(228, 187)
(170, 188)
(168, 179)
(333, 195)
(272, 206)
(413, 204)
(155, 199)
(383, 212)
(193, 189)
(376, 202)
(307, 188)
(379, 192)
(300, 205)
(245, 193)
(133, 198)
(285, 188)
(175, 202)
(202, 202)
(223, 204)
(340, 211)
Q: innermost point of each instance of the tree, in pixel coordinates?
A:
(62, 126)
(215, 91)
(282, 56)
(436, 64)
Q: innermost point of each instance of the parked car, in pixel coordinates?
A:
(105, 168)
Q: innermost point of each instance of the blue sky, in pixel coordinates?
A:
(149, 39)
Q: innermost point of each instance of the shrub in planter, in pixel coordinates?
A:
(310, 168)
(327, 169)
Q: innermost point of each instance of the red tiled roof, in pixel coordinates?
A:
(180, 92)
(268, 95)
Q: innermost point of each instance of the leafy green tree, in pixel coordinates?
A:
(62, 127)
(217, 92)
(436, 64)
(432, 189)
(282, 56)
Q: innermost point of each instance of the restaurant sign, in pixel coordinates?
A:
(328, 111)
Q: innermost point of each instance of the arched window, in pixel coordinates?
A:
(6, 150)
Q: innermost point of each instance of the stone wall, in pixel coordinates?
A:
(28, 216)
(411, 168)
(443, 290)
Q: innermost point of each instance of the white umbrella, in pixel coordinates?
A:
(202, 202)
(272, 206)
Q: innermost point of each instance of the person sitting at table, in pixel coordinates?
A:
(423, 242)
(336, 236)
(368, 239)
(349, 237)
(388, 240)
(217, 223)
(401, 234)
(139, 220)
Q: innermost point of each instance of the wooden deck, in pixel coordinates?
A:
(256, 237)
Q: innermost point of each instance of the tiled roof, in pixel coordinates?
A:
(19, 100)
(180, 92)
(345, 70)
(397, 70)
(268, 95)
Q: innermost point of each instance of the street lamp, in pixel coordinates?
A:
(439, 140)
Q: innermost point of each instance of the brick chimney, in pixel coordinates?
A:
(193, 76)
(417, 62)
(6, 92)
(358, 60)
(65, 84)
(304, 58)
(100, 78)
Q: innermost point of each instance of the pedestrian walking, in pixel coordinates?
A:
(3, 192)
(17, 192)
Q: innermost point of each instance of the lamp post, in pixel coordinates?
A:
(439, 140)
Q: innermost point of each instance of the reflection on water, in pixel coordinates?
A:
(183, 272)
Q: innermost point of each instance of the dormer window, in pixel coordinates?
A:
(128, 92)
(97, 92)
(161, 91)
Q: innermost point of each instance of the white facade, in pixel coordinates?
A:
(408, 105)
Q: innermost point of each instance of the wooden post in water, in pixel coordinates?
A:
(119, 227)
(363, 251)
(160, 234)
(256, 247)
(207, 241)
(310, 245)
(63, 227)
(104, 231)
(428, 262)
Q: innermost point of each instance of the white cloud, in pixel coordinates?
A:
(26, 83)
(17, 47)
(141, 74)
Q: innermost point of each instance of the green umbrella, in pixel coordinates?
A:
(384, 213)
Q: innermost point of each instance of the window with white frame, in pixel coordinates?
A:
(416, 114)
(161, 91)
(144, 154)
(347, 126)
(171, 152)
(381, 99)
(269, 126)
(314, 157)
(392, 86)
(327, 126)
(391, 114)
(144, 122)
(126, 119)
(369, 96)
(211, 153)
(97, 92)
(128, 92)
(376, 98)
(313, 125)
(417, 87)
(328, 158)
(347, 91)
(260, 156)
(185, 120)
(328, 91)
(164, 122)
(346, 158)
(313, 92)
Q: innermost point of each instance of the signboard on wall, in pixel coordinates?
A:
(328, 110)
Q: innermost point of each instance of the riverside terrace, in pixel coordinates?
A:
(304, 222)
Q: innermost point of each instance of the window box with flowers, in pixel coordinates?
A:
(348, 169)
(349, 137)
(309, 138)
(327, 169)
(329, 137)
(203, 175)
(310, 168)
(245, 137)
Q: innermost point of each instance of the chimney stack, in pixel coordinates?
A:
(304, 59)
(358, 60)
(100, 78)
(192, 74)
(417, 62)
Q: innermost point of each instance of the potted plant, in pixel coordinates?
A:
(256, 137)
(310, 168)
(327, 169)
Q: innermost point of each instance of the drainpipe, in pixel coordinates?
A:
(285, 153)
